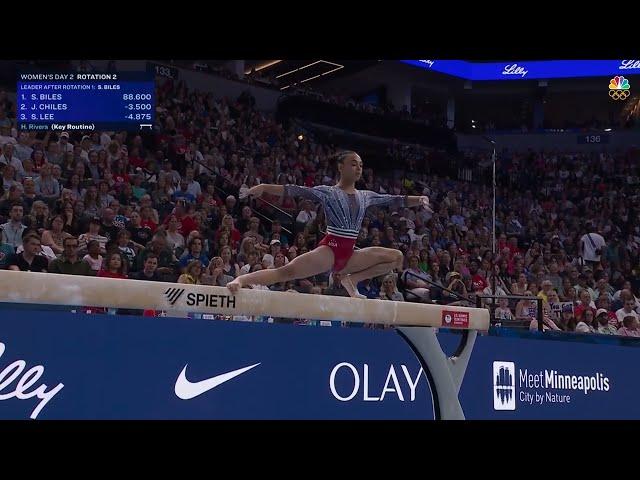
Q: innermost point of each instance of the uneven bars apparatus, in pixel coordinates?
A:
(445, 374)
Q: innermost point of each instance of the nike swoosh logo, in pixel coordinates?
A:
(187, 390)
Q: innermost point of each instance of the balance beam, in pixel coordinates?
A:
(58, 289)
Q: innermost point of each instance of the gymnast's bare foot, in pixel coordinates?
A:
(234, 285)
(350, 287)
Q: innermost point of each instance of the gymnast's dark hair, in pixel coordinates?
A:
(341, 156)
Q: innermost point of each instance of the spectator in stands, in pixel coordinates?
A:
(69, 263)
(158, 246)
(93, 257)
(13, 229)
(254, 230)
(93, 234)
(175, 240)
(369, 288)
(592, 245)
(229, 267)
(5, 254)
(55, 235)
(30, 259)
(192, 273)
(307, 215)
(150, 270)
(214, 274)
(628, 310)
(9, 178)
(46, 186)
(630, 327)
(389, 290)
(114, 266)
(503, 312)
(586, 322)
(603, 325)
(412, 278)
(194, 252)
(9, 158)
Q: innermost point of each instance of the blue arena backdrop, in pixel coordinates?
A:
(530, 69)
(59, 365)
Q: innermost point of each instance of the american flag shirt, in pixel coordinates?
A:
(345, 211)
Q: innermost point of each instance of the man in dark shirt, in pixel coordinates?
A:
(149, 272)
(69, 263)
(29, 260)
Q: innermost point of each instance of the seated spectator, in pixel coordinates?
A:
(30, 259)
(149, 271)
(127, 248)
(93, 234)
(54, 237)
(12, 230)
(389, 290)
(47, 187)
(627, 310)
(547, 324)
(503, 312)
(192, 273)
(5, 253)
(29, 195)
(158, 246)
(412, 281)
(38, 217)
(193, 252)
(93, 257)
(585, 323)
(175, 240)
(69, 263)
(604, 327)
(228, 266)
(214, 274)
(114, 266)
(630, 327)
(306, 216)
(183, 193)
(369, 288)
(526, 309)
(140, 234)
(276, 230)
(254, 227)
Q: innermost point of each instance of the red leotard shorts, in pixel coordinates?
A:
(342, 249)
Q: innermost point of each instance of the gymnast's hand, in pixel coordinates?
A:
(256, 191)
(424, 203)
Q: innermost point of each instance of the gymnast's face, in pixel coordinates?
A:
(351, 168)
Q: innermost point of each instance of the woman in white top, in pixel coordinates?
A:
(174, 238)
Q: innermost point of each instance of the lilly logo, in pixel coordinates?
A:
(629, 64)
(514, 70)
(429, 63)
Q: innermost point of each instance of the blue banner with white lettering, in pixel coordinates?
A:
(526, 70)
(74, 366)
(57, 365)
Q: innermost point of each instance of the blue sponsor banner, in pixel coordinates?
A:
(115, 367)
(56, 365)
(527, 70)
(533, 378)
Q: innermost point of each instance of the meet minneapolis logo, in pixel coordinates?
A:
(504, 386)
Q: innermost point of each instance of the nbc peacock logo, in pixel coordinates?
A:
(619, 88)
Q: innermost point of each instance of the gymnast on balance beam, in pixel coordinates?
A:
(344, 207)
